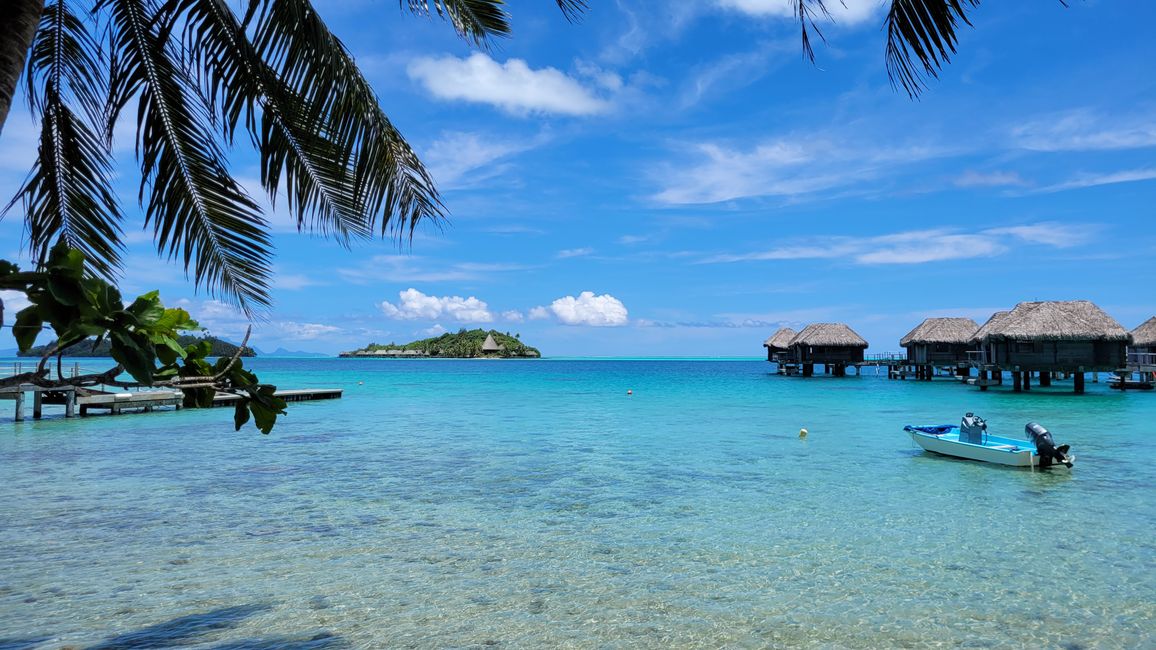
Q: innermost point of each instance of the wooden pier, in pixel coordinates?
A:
(140, 401)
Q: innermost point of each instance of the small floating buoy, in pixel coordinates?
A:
(360, 383)
(802, 433)
(629, 392)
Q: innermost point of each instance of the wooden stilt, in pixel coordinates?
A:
(1028, 380)
(1045, 378)
(1079, 377)
(1017, 381)
(37, 405)
(70, 402)
(982, 380)
(20, 406)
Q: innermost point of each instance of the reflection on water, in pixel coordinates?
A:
(536, 504)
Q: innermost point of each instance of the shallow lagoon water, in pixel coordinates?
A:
(536, 504)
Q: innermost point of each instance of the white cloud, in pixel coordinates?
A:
(574, 252)
(14, 301)
(413, 305)
(436, 330)
(293, 331)
(1049, 233)
(921, 246)
(511, 86)
(845, 12)
(513, 316)
(785, 166)
(1094, 180)
(586, 309)
(398, 269)
(973, 178)
(1086, 130)
(458, 159)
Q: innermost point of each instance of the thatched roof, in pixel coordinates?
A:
(490, 345)
(1055, 320)
(1144, 336)
(941, 330)
(828, 335)
(780, 340)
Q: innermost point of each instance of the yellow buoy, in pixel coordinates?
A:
(802, 433)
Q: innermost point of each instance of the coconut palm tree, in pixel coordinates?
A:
(195, 74)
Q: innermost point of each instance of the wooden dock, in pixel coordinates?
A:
(140, 401)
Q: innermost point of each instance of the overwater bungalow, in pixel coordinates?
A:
(1142, 352)
(939, 343)
(834, 345)
(1071, 336)
(778, 344)
(1144, 337)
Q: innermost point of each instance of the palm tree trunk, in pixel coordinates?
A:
(18, 21)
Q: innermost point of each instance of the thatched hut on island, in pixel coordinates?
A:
(778, 345)
(939, 342)
(1072, 336)
(834, 345)
(490, 346)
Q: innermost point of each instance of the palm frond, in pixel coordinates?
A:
(474, 20)
(294, 142)
(921, 38)
(806, 12)
(197, 210)
(67, 195)
(335, 101)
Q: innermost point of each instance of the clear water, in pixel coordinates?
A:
(536, 504)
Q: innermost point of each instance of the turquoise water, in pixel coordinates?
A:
(536, 504)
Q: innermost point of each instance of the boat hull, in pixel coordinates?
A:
(1002, 451)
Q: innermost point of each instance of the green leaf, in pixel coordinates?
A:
(67, 291)
(28, 325)
(136, 353)
(241, 413)
(147, 308)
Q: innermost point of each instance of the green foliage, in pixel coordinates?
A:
(143, 337)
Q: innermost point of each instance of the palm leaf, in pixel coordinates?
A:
(335, 100)
(295, 143)
(197, 210)
(921, 38)
(67, 195)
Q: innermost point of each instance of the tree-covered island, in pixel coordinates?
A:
(465, 344)
(90, 348)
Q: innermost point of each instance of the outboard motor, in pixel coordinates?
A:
(972, 428)
(1048, 451)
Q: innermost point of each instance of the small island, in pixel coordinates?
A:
(465, 344)
(90, 348)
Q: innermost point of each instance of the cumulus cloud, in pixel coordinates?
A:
(586, 309)
(512, 86)
(513, 316)
(413, 304)
(847, 12)
(294, 331)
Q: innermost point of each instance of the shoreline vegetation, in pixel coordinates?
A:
(90, 348)
(464, 344)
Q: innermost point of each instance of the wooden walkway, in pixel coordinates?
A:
(141, 401)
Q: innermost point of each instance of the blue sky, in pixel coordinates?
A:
(674, 178)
